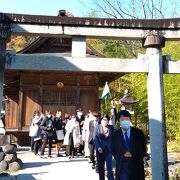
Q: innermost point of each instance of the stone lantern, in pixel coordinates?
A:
(126, 102)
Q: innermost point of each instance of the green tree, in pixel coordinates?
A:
(136, 83)
(172, 94)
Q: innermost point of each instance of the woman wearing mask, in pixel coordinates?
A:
(58, 125)
(35, 132)
(72, 136)
(102, 140)
(47, 127)
(38, 139)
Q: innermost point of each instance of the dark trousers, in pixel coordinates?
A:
(32, 144)
(125, 172)
(37, 145)
(106, 156)
(70, 150)
(91, 152)
(46, 140)
(80, 149)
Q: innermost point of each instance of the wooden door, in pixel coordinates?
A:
(12, 112)
(31, 103)
(88, 100)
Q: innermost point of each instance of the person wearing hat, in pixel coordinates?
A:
(102, 140)
(128, 149)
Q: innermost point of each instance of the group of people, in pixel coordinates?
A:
(95, 137)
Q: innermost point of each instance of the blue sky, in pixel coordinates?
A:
(44, 7)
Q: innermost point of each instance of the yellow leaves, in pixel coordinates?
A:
(18, 42)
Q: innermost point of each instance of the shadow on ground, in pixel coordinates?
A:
(6, 176)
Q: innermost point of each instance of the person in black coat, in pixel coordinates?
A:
(102, 140)
(128, 149)
(48, 133)
(59, 127)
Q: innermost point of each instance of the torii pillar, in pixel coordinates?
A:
(4, 36)
(155, 89)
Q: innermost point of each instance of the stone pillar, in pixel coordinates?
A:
(157, 125)
(4, 36)
(2, 67)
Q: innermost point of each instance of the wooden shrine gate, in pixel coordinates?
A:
(153, 34)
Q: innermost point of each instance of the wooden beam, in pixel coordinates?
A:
(54, 62)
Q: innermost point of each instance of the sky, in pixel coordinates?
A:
(45, 7)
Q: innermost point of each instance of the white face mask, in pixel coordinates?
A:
(125, 124)
(58, 116)
(79, 113)
(36, 117)
(104, 123)
(49, 116)
(73, 119)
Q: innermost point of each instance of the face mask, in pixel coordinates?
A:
(125, 124)
(49, 116)
(73, 119)
(58, 116)
(79, 113)
(36, 117)
(104, 123)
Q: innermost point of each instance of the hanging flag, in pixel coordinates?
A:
(106, 91)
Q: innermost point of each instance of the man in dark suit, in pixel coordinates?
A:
(128, 149)
(102, 140)
(94, 120)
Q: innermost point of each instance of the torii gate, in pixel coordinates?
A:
(153, 34)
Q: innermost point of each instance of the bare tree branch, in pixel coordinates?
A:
(127, 14)
(143, 7)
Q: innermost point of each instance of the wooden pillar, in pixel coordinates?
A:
(156, 108)
(97, 92)
(78, 46)
(20, 102)
(2, 68)
(41, 92)
(78, 104)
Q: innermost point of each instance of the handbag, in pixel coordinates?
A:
(60, 134)
(33, 130)
(51, 134)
